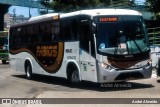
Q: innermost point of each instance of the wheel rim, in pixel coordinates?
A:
(75, 77)
(28, 72)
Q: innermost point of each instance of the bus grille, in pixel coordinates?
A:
(129, 76)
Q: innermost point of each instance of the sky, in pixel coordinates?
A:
(140, 1)
(23, 11)
(34, 12)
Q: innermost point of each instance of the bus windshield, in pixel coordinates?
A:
(121, 35)
(3, 40)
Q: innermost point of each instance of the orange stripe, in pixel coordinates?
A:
(52, 68)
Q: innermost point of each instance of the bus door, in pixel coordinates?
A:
(87, 59)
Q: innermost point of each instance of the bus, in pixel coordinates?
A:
(97, 45)
(3, 46)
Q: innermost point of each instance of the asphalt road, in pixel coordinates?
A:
(15, 85)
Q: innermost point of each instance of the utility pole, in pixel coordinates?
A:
(30, 10)
(14, 16)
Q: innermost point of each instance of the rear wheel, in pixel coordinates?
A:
(28, 71)
(158, 69)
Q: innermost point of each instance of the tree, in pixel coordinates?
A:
(46, 4)
(73, 5)
(154, 7)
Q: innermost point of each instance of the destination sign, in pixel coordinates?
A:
(108, 19)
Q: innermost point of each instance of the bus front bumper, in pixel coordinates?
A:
(113, 75)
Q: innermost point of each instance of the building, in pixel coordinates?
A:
(7, 21)
(10, 19)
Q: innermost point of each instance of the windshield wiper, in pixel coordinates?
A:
(137, 45)
(115, 51)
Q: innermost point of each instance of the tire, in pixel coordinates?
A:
(158, 69)
(75, 79)
(3, 61)
(73, 76)
(28, 71)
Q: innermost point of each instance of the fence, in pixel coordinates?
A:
(154, 36)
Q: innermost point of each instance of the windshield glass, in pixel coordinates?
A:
(121, 35)
(3, 43)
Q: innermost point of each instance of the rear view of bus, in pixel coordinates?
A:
(3, 46)
(122, 47)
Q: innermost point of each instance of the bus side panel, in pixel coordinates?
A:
(71, 54)
(13, 62)
(88, 66)
(17, 62)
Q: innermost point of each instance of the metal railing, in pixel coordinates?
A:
(154, 36)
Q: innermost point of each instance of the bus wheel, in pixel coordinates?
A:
(73, 76)
(28, 71)
(3, 61)
(158, 69)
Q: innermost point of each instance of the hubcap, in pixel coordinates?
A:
(75, 77)
(28, 72)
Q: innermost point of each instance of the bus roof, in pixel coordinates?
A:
(96, 12)
(91, 12)
(43, 16)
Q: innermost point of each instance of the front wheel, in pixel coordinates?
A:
(28, 71)
(75, 79)
(73, 76)
(3, 61)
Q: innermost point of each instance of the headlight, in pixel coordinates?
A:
(106, 66)
(103, 65)
(143, 64)
(148, 63)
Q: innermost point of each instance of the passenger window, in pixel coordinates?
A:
(85, 34)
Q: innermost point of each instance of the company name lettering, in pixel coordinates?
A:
(46, 51)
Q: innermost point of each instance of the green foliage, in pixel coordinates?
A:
(154, 6)
(73, 5)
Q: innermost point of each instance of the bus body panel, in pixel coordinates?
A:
(53, 55)
(110, 75)
(71, 54)
(88, 66)
(17, 62)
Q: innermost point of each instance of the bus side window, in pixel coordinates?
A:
(55, 31)
(11, 42)
(74, 31)
(17, 35)
(84, 34)
(35, 33)
(14, 36)
(48, 35)
(66, 31)
(29, 32)
(19, 30)
(69, 29)
(41, 32)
